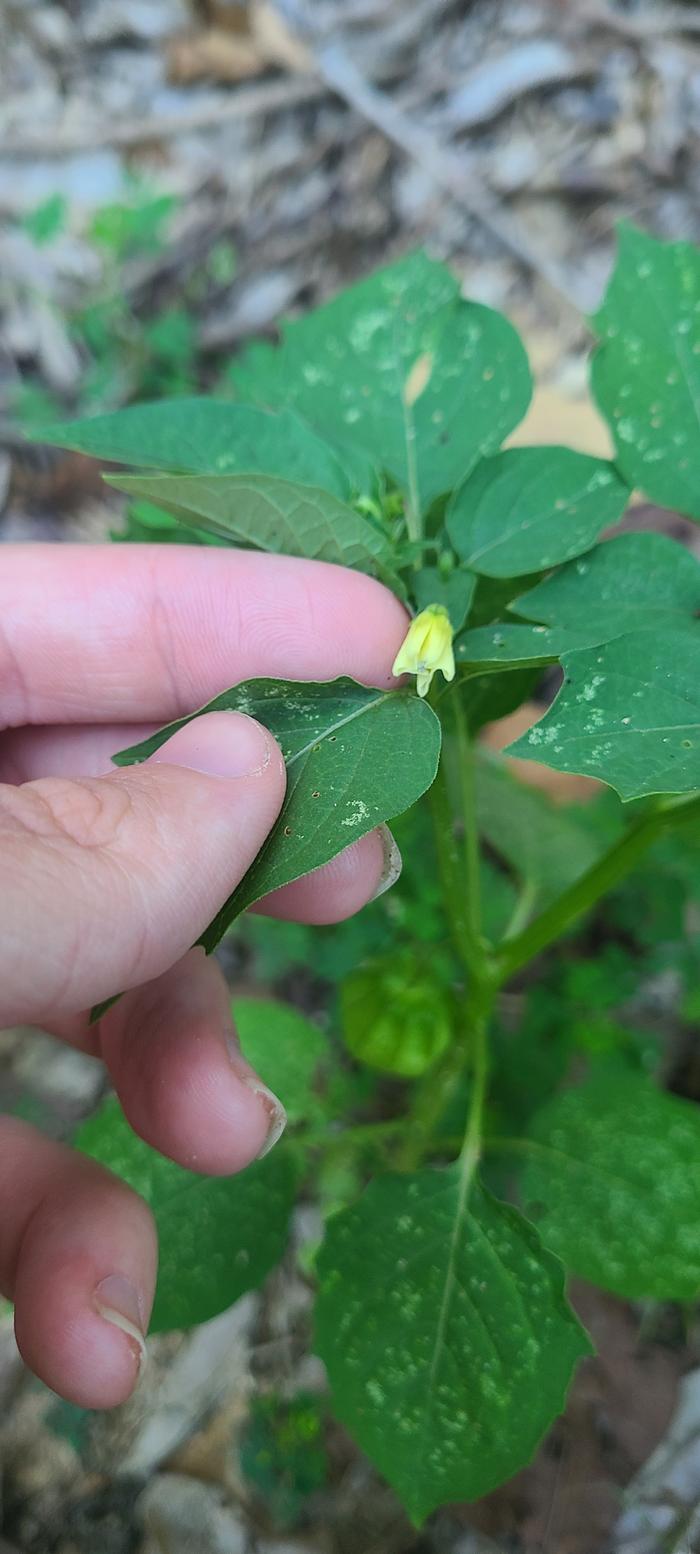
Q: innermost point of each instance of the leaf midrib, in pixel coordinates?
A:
(333, 728)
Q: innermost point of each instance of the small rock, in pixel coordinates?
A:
(89, 178)
(258, 303)
(11, 1367)
(414, 193)
(662, 1501)
(57, 1073)
(212, 1365)
(515, 164)
(58, 358)
(490, 283)
(183, 1514)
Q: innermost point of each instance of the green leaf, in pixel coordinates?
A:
(445, 1330)
(646, 372)
(513, 647)
(628, 713)
(136, 227)
(282, 1455)
(218, 1236)
(205, 436)
(46, 220)
(284, 1048)
(400, 367)
(146, 524)
(454, 592)
(615, 1182)
(631, 581)
(494, 596)
(265, 512)
(396, 1015)
(530, 508)
(541, 842)
(488, 697)
(355, 758)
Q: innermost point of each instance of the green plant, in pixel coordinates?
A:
(130, 348)
(282, 1456)
(371, 436)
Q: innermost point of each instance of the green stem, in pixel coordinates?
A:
(522, 910)
(480, 1015)
(414, 527)
(467, 783)
(358, 1133)
(429, 1103)
(459, 863)
(516, 952)
(452, 873)
(493, 1144)
(461, 879)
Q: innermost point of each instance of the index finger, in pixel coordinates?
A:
(149, 632)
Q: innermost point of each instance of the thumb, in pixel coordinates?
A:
(107, 881)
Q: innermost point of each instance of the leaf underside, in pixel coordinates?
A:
(267, 513)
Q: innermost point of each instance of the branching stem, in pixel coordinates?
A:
(516, 952)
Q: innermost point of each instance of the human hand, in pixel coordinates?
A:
(108, 876)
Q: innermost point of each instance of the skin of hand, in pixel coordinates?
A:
(108, 876)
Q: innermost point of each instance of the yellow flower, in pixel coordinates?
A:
(426, 647)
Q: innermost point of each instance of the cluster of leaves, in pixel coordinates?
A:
(282, 1455)
(132, 348)
(371, 436)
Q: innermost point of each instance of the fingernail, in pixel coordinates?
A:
(276, 1114)
(393, 862)
(219, 744)
(117, 1301)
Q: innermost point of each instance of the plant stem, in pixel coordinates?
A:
(459, 865)
(522, 910)
(461, 879)
(414, 526)
(467, 783)
(431, 1099)
(496, 1145)
(452, 873)
(357, 1133)
(480, 1015)
(514, 953)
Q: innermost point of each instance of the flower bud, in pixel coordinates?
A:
(426, 647)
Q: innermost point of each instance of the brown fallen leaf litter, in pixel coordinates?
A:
(323, 139)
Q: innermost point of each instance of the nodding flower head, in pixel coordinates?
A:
(426, 647)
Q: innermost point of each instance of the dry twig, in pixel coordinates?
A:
(442, 164)
(269, 96)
